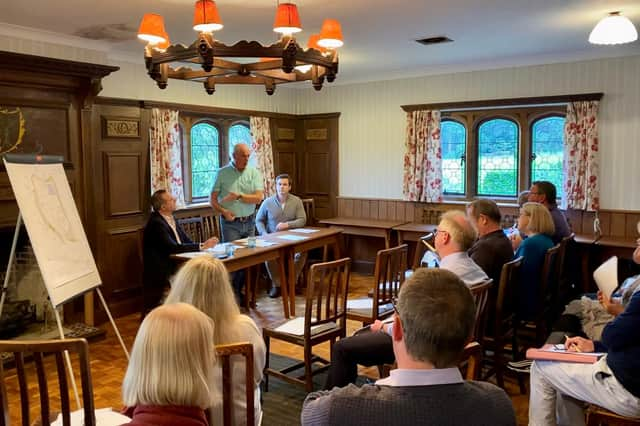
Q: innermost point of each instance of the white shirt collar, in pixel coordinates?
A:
(436, 376)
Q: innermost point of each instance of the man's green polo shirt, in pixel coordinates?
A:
(229, 179)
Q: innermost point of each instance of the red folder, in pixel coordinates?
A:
(550, 353)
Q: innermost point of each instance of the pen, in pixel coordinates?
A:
(575, 345)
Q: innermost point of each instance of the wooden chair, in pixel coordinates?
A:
(547, 293)
(309, 205)
(565, 291)
(225, 352)
(389, 273)
(38, 348)
(211, 226)
(598, 416)
(480, 295)
(503, 322)
(325, 319)
(192, 226)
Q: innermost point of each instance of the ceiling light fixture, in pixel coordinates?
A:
(282, 62)
(613, 29)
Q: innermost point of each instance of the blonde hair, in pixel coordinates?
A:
(540, 220)
(204, 283)
(172, 359)
(456, 223)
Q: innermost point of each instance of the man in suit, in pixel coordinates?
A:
(434, 318)
(162, 238)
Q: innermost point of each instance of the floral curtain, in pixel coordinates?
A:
(581, 163)
(422, 179)
(262, 150)
(166, 156)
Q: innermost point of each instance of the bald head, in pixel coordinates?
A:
(458, 233)
(241, 154)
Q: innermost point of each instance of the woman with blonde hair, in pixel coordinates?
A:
(204, 283)
(536, 223)
(168, 380)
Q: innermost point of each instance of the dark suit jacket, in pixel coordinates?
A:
(159, 244)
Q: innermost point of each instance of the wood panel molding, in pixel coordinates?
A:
(120, 127)
(123, 183)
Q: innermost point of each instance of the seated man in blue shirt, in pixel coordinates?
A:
(434, 318)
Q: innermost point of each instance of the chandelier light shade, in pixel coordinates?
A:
(287, 19)
(206, 17)
(330, 34)
(613, 29)
(211, 63)
(152, 29)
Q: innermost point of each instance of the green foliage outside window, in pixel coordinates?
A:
(498, 158)
(547, 151)
(453, 137)
(204, 159)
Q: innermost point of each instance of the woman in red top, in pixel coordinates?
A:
(170, 371)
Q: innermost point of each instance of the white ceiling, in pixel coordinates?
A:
(379, 35)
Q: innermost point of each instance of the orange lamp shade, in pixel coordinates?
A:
(330, 34)
(206, 17)
(152, 29)
(287, 19)
(313, 42)
(164, 44)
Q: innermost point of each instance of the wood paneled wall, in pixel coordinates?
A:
(613, 223)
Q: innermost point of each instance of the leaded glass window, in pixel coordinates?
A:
(547, 150)
(205, 160)
(453, 138)
(498, 158)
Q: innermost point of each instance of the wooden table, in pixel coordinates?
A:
(413, 232)
(365, 227)
(593, 251)
(284, 250)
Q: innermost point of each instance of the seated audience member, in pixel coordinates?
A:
(523, 197)
(535, 221)
(454, 237)
(559, 389)
(545, 193)
(204, 283)
(280, 212)
(434, 319)
(162, 238)
(492, 249)
(171, 368)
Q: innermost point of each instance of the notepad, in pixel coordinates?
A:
(304, 230)
(606, 276)
(293, 237)
(551, 352)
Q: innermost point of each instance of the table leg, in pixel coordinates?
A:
(291, 281)
(387, 239)
(284, 286)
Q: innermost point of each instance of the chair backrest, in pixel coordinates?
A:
(38, 348)
(309, 205)
(472, 357)
(480, 295)
(225, 352)
(389, 274)
(563, 273)
(421, 248)
(326, 300)
(548, 279)
(505, 303)
(211, 226)
(192, 226)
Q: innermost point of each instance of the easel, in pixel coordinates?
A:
(33, 160)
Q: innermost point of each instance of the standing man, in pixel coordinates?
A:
(545, 193)
(237, 189)
(278, 213)
(492, 249)
(162, 238)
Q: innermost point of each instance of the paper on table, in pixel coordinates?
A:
(104, 417)
(304, 230)
(606, 276)
(296, 327)
(293, 237)
(364, 303)
(192, 254)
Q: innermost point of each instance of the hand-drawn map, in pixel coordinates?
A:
(56, 233)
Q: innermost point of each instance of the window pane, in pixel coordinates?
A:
(240, 133)
(453, 137)
(498, 158)
(547, 151)
(204, 159)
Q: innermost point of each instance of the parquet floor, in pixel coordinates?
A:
(108, 361)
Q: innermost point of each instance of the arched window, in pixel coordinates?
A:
(453, 137)
(498, 157)
(205, 158)
(547, 149)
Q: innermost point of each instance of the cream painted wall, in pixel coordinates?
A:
(372, 124)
